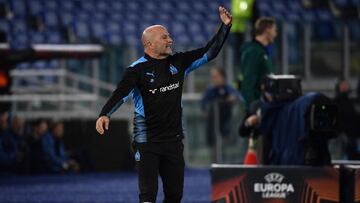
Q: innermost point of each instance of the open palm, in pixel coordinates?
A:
(225, 15)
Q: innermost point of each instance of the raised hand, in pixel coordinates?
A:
(225, 15)
(101, 122)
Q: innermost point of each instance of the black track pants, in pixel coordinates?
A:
(164, 159)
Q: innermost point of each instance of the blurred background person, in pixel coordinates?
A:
(10, 157)
(249, 128)
(36, 150)
(17, 131)
(255, 62)
(54, 156)
(245, 14)
(217, 104)
(345, 145)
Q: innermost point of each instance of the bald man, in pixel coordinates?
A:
(155, 82)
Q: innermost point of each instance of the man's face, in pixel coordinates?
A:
(3, 120)
(18, 125)
(216, 78)
(272, 33)
(58, 130)
(344, 87)
(162, 42)
(42, 128)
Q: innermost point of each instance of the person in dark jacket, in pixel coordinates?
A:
(9, 156)
(36, 151)
(55, 158)
(217, 103)
(255, 62)
(348, 120)
(17, 131)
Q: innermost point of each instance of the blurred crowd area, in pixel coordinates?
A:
(37, 147)
(318, 40)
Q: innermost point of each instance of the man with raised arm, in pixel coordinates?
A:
(155, 82)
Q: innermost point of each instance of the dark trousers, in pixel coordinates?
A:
(164, 159)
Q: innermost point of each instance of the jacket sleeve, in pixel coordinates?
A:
(251, 76)
(125, 86)
(192, 60)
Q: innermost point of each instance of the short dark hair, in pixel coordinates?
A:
(54, 124)
(262, 24)
(38, 122)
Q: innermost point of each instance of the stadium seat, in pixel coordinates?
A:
(183, 6)
(150, 6)
(183, 39)
(50, 19)
(53, 37)
(279, 6)
(23, 66)
(181, 17)
(166, 6)
(67, 18)
(113, 27)
(342, 3)
(354, 27)
(4, 25)
(97, 29)
(53, 64)
(35, 7)
(130, 28)
(88, 6)
(163, 16)
(37, 37)
(83, 16)
(102, 6)
(113, 21)
(323, 15)
(114, 39)
(131, 40)
(18, 26)
(307, 15)
(99, 16)
(199, 6)
(41, 64)
(323, 31)
(295, 6)
(117, 6)
(264, 8)
(67, 5)
(19, 40)
(151, 17)
(51, 5)
(18, 8)
(292, 17)
(81, 31)
(210, 28)
(199, 40)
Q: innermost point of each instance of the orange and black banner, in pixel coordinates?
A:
(350, 184)
(240, 184)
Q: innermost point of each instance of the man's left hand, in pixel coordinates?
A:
(225, 15)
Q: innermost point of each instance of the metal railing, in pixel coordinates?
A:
(67, 99)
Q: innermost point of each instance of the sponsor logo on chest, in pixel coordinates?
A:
(166, 88)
